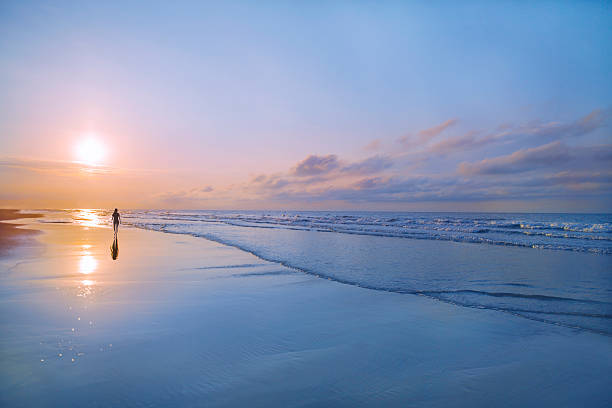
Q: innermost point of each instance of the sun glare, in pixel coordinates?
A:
(90, 151)
(87, 263)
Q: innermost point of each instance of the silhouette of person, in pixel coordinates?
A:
(115, 249)
(116, 221)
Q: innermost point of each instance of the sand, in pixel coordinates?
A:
(182, 321)
(12, 237)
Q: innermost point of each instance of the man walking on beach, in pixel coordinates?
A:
(116, 220)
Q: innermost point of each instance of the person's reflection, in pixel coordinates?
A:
(115, 248)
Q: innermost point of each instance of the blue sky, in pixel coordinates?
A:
(197, 101)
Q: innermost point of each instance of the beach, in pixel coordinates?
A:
(11, 237)
(305, 204)
(178, 320)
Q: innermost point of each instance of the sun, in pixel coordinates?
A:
(90, 151)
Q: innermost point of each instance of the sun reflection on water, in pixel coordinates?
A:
(87, 263)
(86, 288)
(83, 290)
(90, 218)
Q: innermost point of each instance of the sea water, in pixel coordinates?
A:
(555, 268)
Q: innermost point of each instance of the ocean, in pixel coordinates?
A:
(554, 268)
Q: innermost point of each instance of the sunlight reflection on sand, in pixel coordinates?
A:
(87, 263)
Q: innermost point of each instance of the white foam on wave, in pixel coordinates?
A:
(573, 232)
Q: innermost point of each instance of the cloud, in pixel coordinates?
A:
(370, 165)
(594, 120)
(315, 165)
(315, 174)
(194, 194)
(425, 135)
(521, 160)
(461, 143)
(321, 168)
(552, 155)
(563, 171)
(275, 183)
(390, 190)
(52, 166)
(434, 131)
(374, 145)
(269, 182)
(68, 168)
(259, 179)
(577, 180)
(451, 189)
(368, 183)
(532, 133)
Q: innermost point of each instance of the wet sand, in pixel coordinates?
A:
(12, 237)
(182, 321)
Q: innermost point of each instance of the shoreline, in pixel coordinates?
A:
(180, 320)
(424, 293)
(11, 236)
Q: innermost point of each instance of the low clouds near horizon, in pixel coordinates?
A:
(537, 161)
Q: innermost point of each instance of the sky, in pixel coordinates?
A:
(356, 105)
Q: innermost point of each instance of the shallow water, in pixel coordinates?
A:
(574, 232)
(554, 268)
